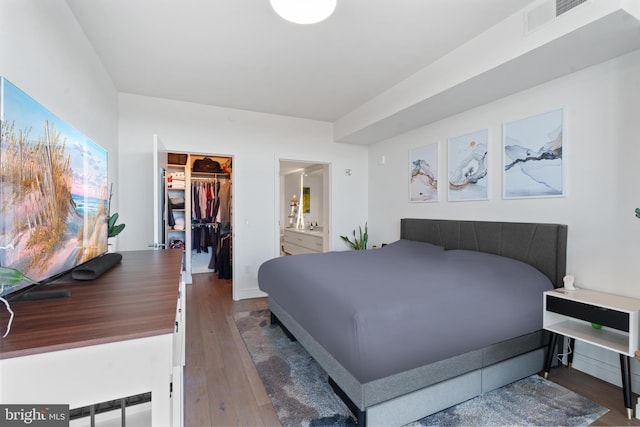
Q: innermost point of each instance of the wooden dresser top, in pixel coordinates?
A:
(137, 298)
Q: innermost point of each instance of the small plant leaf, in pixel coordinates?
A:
(360, 241)
(11, 276)
(113, 229)
(112, 220)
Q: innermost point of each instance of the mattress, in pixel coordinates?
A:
(408, 304)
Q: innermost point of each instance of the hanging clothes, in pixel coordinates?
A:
(206, 200)
(225, 205)
(223, 262)
(211, 222)
(202, 223)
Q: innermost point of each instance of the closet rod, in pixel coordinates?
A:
(209, 178)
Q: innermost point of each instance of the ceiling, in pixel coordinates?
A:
(240, 54)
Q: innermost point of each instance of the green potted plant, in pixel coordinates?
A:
(359, 242)
(113, 228)
(11, 276)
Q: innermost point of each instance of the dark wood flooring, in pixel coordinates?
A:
(222, 387)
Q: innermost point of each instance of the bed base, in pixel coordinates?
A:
(408, 396)
(359, 415)
(440, 396)
(406, 407)
(275, 321)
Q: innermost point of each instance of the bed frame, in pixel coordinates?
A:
(408, 396)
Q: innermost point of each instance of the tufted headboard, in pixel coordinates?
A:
(543, 246)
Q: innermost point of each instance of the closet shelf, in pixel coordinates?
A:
(207, 175)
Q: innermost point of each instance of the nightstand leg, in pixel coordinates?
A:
(553, 340)
(626, 384)
(572, 346)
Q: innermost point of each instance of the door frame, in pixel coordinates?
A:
(160, 157)
(326, 202)
(159, 165)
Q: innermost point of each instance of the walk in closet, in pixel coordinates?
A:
(197, 211)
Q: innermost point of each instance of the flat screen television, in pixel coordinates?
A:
(53, 192)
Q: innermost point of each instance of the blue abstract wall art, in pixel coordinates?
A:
(533, 156)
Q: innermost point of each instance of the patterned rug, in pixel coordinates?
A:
(301, 395)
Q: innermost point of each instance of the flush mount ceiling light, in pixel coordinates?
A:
(304, 11)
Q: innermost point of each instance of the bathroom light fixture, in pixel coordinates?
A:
(304, 11)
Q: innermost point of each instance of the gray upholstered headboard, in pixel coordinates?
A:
(543, 246)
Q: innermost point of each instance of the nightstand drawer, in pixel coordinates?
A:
(590, 313)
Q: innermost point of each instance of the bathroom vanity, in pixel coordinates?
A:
(303, 241)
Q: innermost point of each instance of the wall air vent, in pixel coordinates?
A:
(547, 11)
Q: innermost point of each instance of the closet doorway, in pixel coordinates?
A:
(198, 212)
(304, 201)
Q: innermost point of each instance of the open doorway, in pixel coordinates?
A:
(196, 212)
(304, 202)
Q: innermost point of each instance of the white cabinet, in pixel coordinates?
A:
(121, 337)
(571, 313)
(302, 241)
(179, 348)
(604, 320)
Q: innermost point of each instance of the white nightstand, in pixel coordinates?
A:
(572, 313)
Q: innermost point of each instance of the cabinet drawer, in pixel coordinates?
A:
(293, 249)
(314, 243)
(590, 313)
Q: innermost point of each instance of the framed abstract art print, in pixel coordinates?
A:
(468, 173)
(533, 156)
(423, 173)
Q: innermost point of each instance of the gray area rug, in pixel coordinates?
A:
(301, 395)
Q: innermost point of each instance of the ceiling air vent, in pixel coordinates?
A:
(563, 6)
(547, 11)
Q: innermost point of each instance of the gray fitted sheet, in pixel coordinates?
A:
(406, 305)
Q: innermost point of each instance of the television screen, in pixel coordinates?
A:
(53, 191)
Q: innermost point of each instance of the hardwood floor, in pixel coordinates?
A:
(222, 387)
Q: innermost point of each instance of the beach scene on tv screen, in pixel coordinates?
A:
(53, 190)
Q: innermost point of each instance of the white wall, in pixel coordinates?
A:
(44, 52)
(601, 151)
(257, 142)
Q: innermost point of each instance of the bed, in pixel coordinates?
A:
(404, 331)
